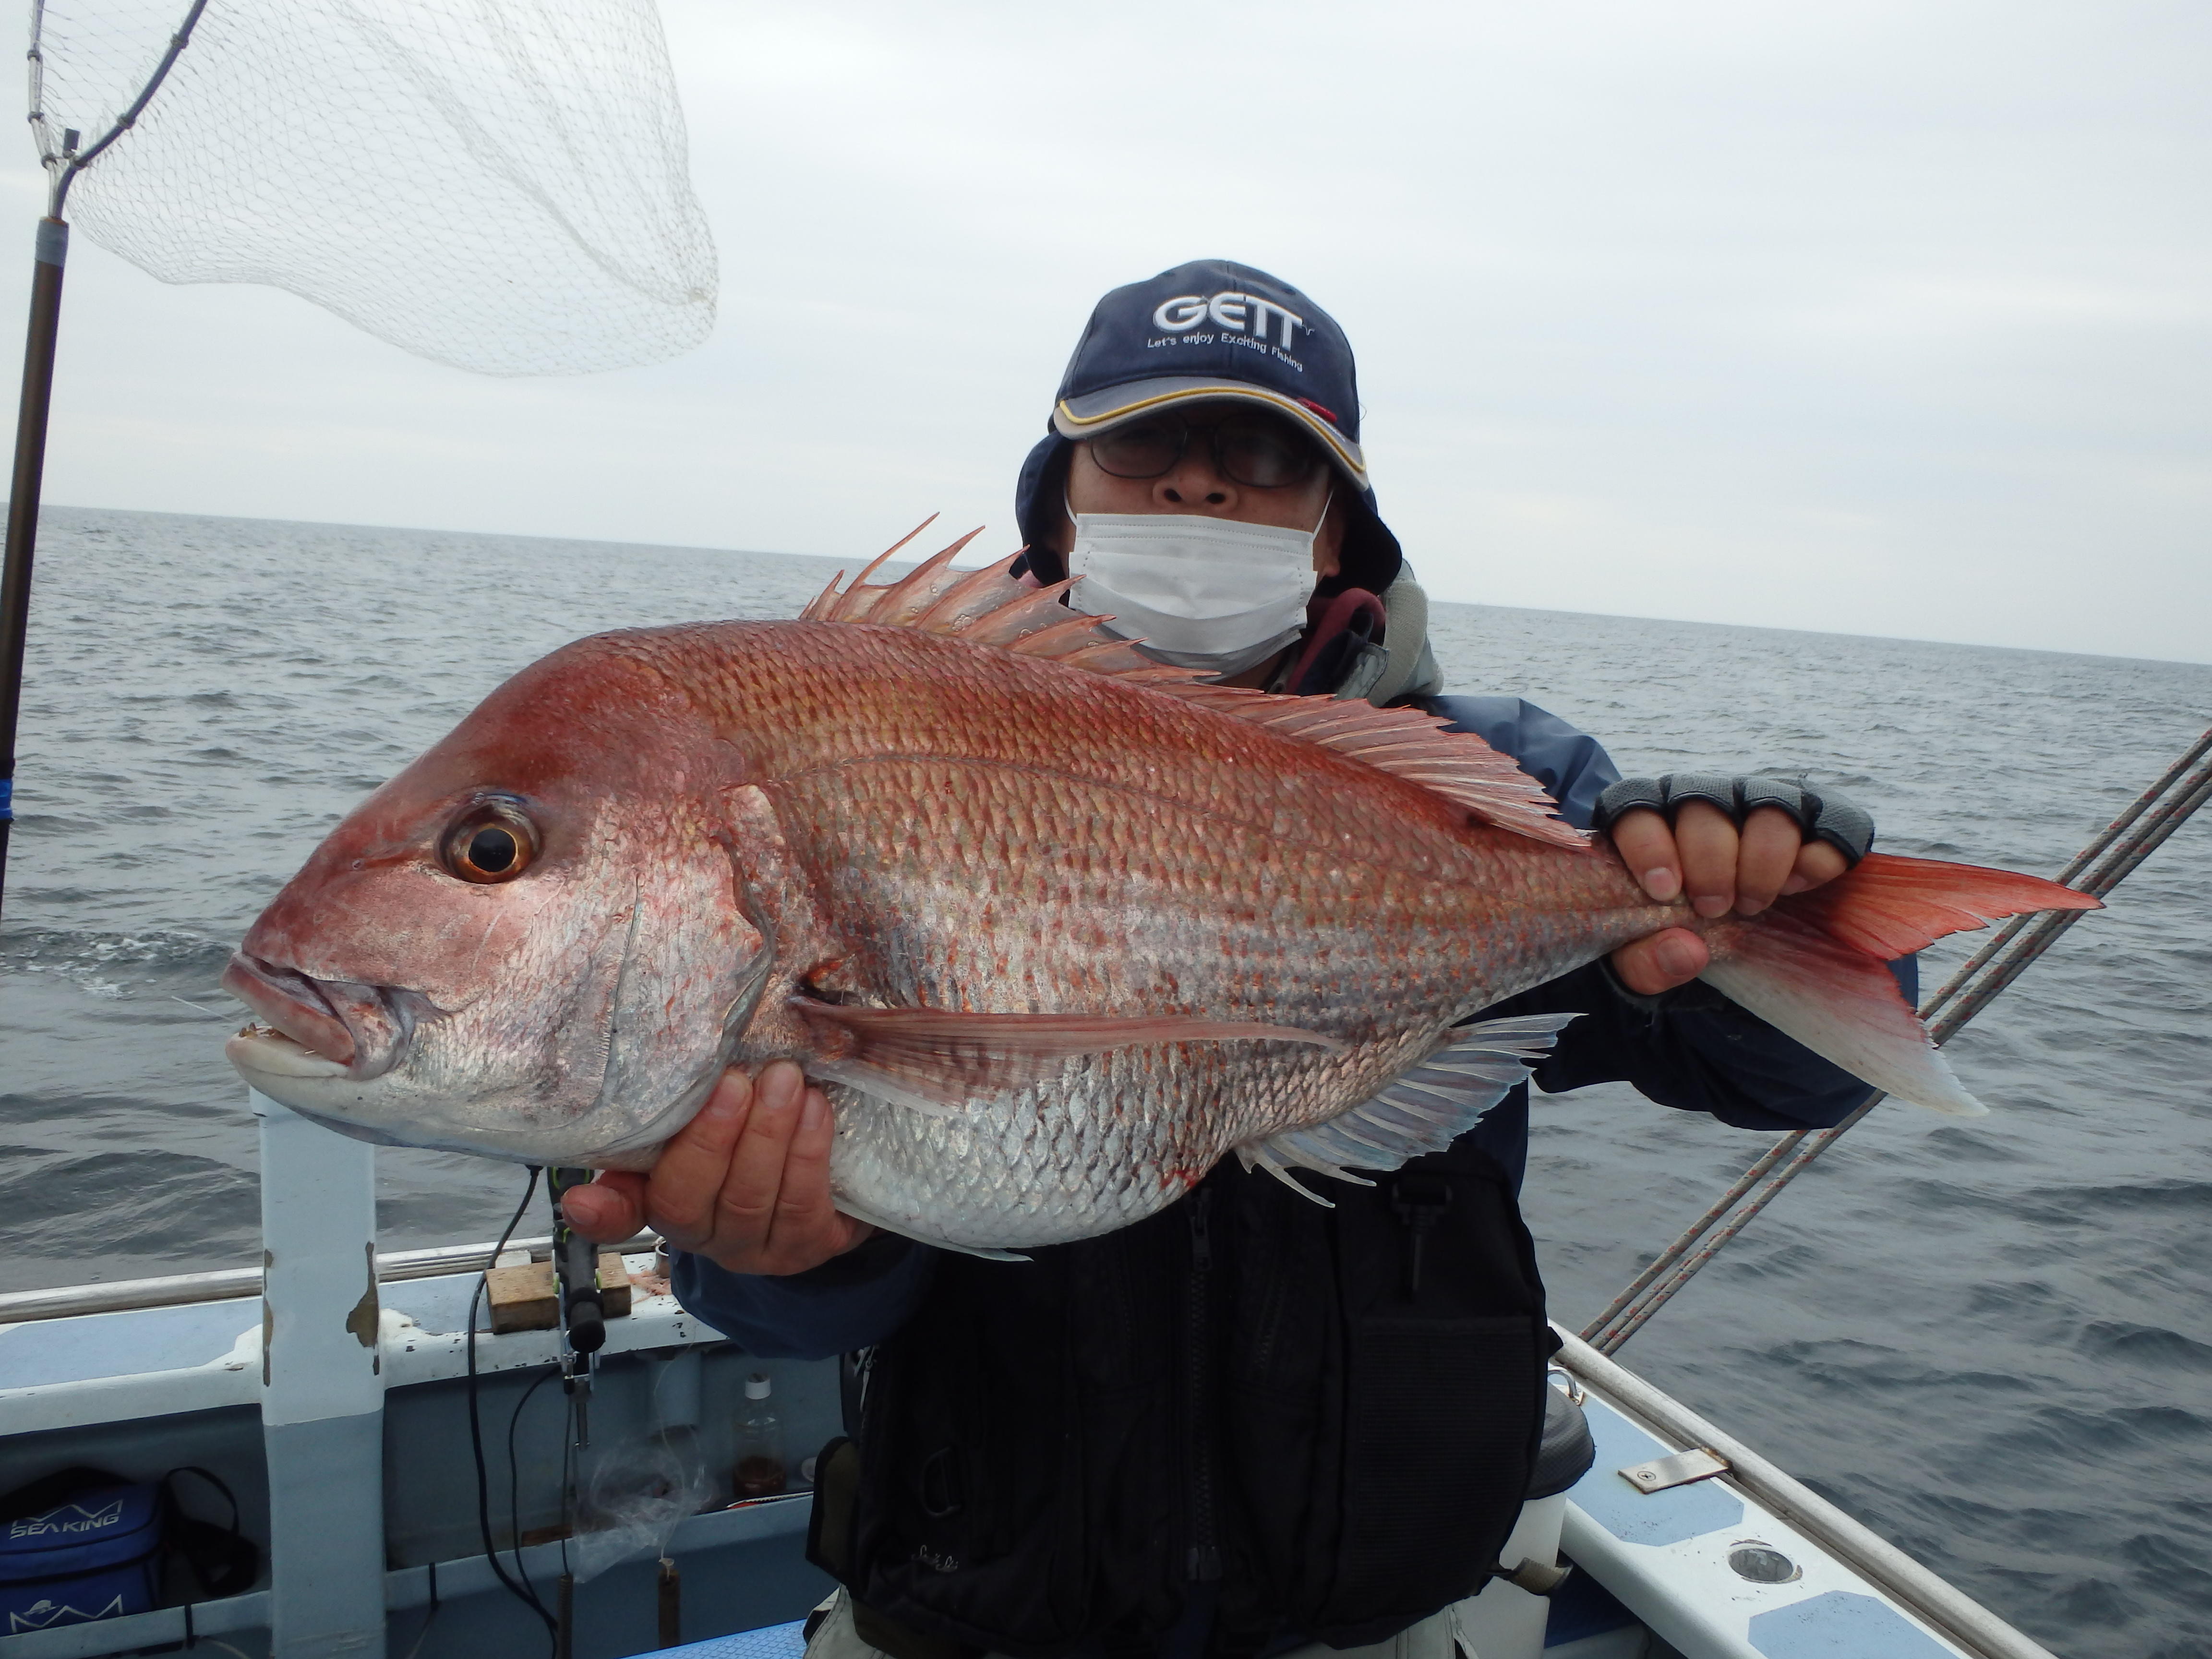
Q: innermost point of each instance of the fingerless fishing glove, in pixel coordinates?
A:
(1828, 816)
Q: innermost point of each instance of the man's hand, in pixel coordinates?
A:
(1702, 855)
(745, 1183)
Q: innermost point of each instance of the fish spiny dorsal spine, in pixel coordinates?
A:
(992, 607)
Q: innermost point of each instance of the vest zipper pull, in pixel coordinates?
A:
(1421, 1202)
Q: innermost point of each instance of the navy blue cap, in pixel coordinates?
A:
(1209, 331)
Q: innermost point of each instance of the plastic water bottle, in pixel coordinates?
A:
(760, 1472)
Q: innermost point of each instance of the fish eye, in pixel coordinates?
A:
(492, 842)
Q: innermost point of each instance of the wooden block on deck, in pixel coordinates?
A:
(524, 1299)
(614, 1286)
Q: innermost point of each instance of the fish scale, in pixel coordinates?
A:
(1251, 872)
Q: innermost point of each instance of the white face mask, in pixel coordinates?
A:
(1201, 592)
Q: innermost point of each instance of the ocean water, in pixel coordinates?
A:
(1990, 1339)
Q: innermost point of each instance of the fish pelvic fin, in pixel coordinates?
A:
(1423, 1109)
(991, 607)
(1813, 965)
(933, 1058)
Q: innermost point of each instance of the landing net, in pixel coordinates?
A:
(499, 184)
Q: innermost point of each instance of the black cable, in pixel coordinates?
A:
(526, 1596)
(564, 1640)
(514, 1482)
(569, 1472)
(428, 1618)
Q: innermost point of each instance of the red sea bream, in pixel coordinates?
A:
(1056, 926)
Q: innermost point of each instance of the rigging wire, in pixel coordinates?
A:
(2097, 870)
(522, 1592)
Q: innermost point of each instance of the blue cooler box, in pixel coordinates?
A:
(89, 1557)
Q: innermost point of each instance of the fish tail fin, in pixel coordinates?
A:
(1815, 966)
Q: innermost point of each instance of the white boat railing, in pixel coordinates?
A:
(228, 1283)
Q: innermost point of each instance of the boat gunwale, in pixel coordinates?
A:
(1918, 1589)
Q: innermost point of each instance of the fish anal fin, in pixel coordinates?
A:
(1259, 1157)
(1423, 1109)
(932, 1058)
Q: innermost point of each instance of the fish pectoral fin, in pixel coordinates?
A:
(878, 1084)
(935, 1057)
(1423, 1109)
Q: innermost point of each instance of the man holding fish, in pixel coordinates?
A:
(1295, 1371)
(916, 964)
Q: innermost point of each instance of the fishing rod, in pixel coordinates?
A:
(2099, 868)
(64, 161)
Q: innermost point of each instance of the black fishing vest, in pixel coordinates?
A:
(1329, 1416)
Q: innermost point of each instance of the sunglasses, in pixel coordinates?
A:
(1256, 451)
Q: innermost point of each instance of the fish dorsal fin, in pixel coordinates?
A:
(990, 606)
(1409, 744)
(1423, 1109)
(986, 607)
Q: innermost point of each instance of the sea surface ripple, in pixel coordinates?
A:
(1990, 1339)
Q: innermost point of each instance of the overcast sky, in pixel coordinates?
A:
(1875, 318)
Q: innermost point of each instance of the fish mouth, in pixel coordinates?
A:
(309, 1027)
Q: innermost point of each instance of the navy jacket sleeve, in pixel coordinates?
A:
(1572, 766)
(849, 1302)
(1690, 1047)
